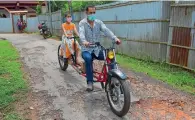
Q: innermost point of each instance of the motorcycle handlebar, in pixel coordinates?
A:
(98, 44)
(72, 37)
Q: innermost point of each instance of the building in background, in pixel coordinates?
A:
(12, 11)
(29, 6)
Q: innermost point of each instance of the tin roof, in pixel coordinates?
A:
(22, 3)
(18, 11)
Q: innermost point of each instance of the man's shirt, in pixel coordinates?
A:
(92, 35)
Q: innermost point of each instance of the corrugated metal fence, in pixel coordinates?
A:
(6, 25)
(143, 27)
(152, 30)
(181, 45)
(32, 23)
(56, 19)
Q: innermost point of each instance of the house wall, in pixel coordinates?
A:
(3, 11)
(6, 25)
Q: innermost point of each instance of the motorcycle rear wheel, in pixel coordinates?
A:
(63, 64)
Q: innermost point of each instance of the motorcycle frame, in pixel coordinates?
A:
(99, 76)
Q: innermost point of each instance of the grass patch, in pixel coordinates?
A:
(174, 76)
(12, 116)
(55, 37)
(11, 79)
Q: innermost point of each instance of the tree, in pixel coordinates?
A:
(59, 5)
(38, 8)
(81, 5)
(76, 5)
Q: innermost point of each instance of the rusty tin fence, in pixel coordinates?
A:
(181, 44)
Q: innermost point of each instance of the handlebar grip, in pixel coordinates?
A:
(72, 37)
(118, 42)
(91, 45)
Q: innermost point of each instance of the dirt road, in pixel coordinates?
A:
(58, 95)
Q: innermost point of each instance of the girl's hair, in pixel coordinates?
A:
(68, 13)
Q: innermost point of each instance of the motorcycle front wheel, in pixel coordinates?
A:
(118, 95)
(44, 36)
(47, 34)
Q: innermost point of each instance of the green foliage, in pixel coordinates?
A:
(174, 76)
(12, 116)
(76, 5)
(38, 9)
(64, 5)
(59, 5)
(81, 5)
(11, 78)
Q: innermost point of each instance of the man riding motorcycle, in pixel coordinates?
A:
(89, 31)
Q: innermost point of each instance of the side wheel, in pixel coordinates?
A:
(102, 85)
(63, 64)
(118, 95)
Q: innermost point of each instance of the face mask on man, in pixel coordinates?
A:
(91, 17)
(69, 19)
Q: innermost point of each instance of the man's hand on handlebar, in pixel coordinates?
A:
(117, 41)
(72, 37)
(86, 43)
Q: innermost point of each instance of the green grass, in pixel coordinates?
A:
(174, 76)
(55, 37)
(11, 78)
(12, 116)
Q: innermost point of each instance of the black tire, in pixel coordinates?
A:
(102, 85)
(65, 65)
(44, 36)
(127, 98)
(49, 34)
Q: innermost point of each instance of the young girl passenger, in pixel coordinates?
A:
(67, 43)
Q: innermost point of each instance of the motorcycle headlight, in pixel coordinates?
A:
(110, 54)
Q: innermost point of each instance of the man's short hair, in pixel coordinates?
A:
(89, 6)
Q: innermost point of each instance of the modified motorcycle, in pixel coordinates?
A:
(112, 80)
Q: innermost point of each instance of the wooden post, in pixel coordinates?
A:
(50, 16)
(12, 22)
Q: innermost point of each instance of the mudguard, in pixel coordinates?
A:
(116, 73)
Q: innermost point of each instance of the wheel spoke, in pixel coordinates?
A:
(119, 105)
(121, 97)
(117, 99)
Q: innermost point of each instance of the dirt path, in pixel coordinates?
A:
(61, 95)
(56, 94)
